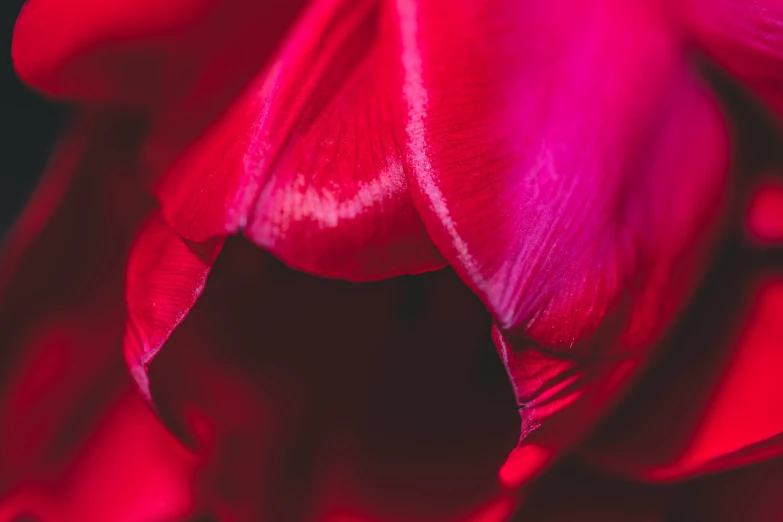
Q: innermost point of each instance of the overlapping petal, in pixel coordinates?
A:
(568, 163)
(165, 276)
(307, 163)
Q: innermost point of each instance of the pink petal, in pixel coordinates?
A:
(61, 307)
(721, 388)
(764, 218)
(129, 469)
(307, 162)
(144, 52)
(744, 36)
(165, 276)
(571, 168)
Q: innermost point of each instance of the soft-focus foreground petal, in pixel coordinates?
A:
(764, 217)
(321, 400)
(721, 387)
(144, 52)
(165, 276)
(744, 36)
(569, 165)
(307, 163)
(61, 323)
(129, 469)
(57, 316)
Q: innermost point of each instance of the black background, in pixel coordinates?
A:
(30, 125)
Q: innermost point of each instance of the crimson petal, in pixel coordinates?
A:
(165, 276)
(307, 162)
(570, 167)
(61, 309)
(129, 469)
(716, 403)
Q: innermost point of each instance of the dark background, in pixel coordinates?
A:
(30, 125)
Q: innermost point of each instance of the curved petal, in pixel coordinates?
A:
(145, 52)
(165, 276)
(721, 387)
(313, 398)
(575, 188)
(129, 469)
(745, 37)
(307, 164)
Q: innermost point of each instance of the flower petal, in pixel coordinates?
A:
(764, 218)
(165, 276)
(307, 162)
(144, 52)
(745, 37)
(61, 309)
(721, 385)
(571, 168)
(129, 469)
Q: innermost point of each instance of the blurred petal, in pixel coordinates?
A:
(145, 52)
(764, 219)
(61, 309)
(312, 398)
(571, 168)
(722, 384)
(307, 162)
(744, 36)
(129, 469)
(165, 276)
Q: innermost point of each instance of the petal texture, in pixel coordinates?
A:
(307, 163)
(165, 276)
(571, 168)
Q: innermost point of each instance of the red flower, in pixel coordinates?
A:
(568, 160)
